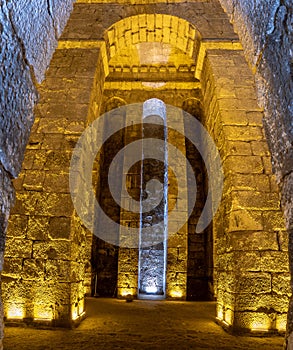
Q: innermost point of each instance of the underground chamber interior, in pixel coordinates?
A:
(143, 271)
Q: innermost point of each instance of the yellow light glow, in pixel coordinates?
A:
(260, 325)
(220, 313)
(125, 292)
(153, 52)
(77, 310)
(74, 313)
(154, 85)
(228, 316)
(176, 293)
(281, 323)
(15, 311)
(81, 306)
(41, 313)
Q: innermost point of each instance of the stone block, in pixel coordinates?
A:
(33, 180)
(243, 164)
(17, 247)
(58, 249)
(254, 283)
(33, 269)
(281, 284)
(267, 163)
(268, 302)
(255, 200)
(260, 148)
(52, 141)
(273, 220)
(239, 148)
(256, 321)
(37, 227)
(58, 271)
(253, 241)
(18, 225)
(251, 182)
(12, 267)
(244, 220)
(57, 160)
(283, 237)
(243, 133)
(127, 280)
(56, 182)
(59, 228)
(274, 261)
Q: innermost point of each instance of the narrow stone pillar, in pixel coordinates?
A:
(178, 240)
(128, 251)
(154, 194)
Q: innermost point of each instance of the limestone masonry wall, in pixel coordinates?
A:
(265, 30)
(29, 32)
(47, 243)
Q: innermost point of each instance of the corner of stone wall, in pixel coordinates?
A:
(29, 32)
(251, 246)
(265, 31)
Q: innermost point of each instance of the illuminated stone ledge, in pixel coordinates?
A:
(43, 317)
(256, 324)
(44, 323)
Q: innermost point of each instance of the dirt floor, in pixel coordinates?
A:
(115, 324)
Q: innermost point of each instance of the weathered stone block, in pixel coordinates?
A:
(255, 200)
(273, 220)
(254, 241)
(18, 247)
(244, 220)
(281, 284)
(37, 227)
(241, 133)
(17, 226)
(12, 267)
(257, 282)
(52, 250)
(33, 269)
(243, 164)
(33, 180)
(274, 261)
(58, 270)
(59, 227)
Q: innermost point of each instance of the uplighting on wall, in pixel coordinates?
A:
(74, 312)
(260, 323)
(42, 314)
(151, 289)
(15, 312)
(77, 310)
(220, 312)
(126, 292)
(176, 293)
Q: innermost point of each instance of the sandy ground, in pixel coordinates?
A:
(115, 324)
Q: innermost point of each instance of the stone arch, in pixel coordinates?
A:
(159, 28)
(193, 106)
(114, 102)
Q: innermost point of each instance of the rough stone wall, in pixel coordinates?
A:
(88, 21)
(251, 260)
(46, 243)
(86, 14)
(265, 30)
(24, 56)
